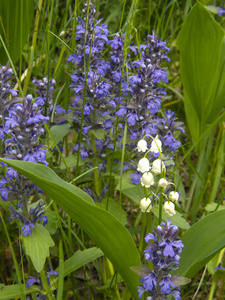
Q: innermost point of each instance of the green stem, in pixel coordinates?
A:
(26, 214)
(95, 166)
(213, 286)
(142, 235)
(160, 205)
(47, 289)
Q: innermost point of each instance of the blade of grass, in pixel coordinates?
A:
(14, 257)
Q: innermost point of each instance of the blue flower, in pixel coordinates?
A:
(221, 12)
(166, 285)
(27, 228)
(32, 280)
(163, 251)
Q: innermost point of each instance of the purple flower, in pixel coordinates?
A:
(132, 117)
(162, 252)
(149, 282)
(135, 178)
(32, 280)
(11, 173)
(27, 228)
(221, 12)
(166, 285)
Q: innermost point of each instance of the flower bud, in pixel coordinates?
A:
(162, 183)
(147, 179)
(174, 196)
(145, 205)
(157, 166)
(142, 146)
(169, 208)
(143, 165)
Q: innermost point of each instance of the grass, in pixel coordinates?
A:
(46, 41)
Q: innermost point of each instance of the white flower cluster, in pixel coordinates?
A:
(147, 180)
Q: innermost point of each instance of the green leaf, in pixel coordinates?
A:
(213, 206)
(102, 227)
(9, 292)
(58, 132)
(201, 242)
(99, 133)
(81, 258)
(37, 246)
(217, 99)
(52, 224)
(115, 209)
(15, 23)
(199, 42)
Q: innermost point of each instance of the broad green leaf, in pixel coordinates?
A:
(213, 206)
(81, 258)
(217, 101)
(15, 24)
(115, 209)
(9, 292)
(37, 246)
(199, 42)
(201, 242)
(58, 132)
(102, 227)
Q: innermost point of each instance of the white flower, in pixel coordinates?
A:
(156, 145)
(145, 205)
(147, 179)
(162, 183)
(62, 33)
(169, 208)
(143, 165)
(174, 196)
(157, 165)
(142, 146)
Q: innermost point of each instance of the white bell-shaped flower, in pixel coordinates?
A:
(157, 166)
(145, 205)
(143, 165)
(147, 179)
(156, 145)
(169, 208)
(174, 196)
(142, 146)
(162, 183)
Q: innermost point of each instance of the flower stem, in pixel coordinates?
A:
(25, 209)
(95, 166)
(160, 205)
(214, 283)
(47, 289)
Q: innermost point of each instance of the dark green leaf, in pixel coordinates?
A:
(102, 227)
(199, 42)
(15, 24)
(201, 242)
